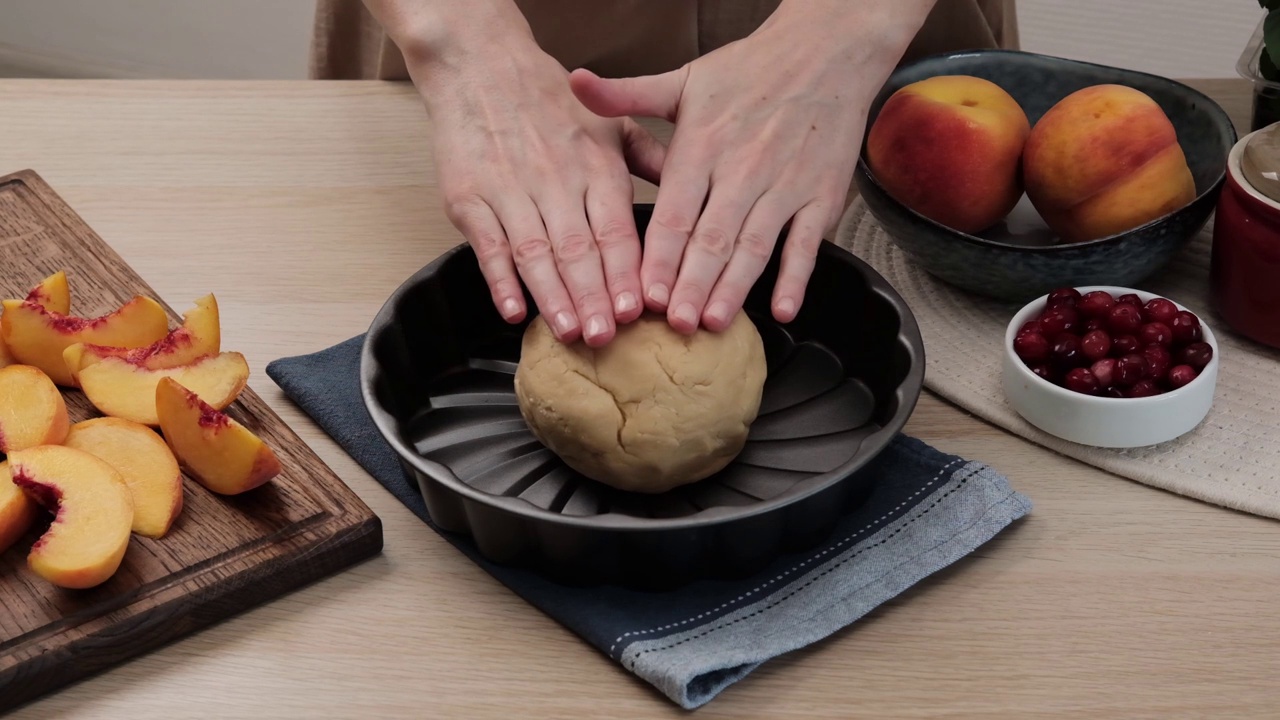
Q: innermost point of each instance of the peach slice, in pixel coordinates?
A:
(32, 411)
(144, 461)
(220, 453)
(39, 337)
(199, 335)
(121, 389)
(86, 542)
(52, 294)
(17, 510)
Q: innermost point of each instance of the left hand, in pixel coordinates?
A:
(767, 130)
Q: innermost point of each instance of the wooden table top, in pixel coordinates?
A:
(304, 204)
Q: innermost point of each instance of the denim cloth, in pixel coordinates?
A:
(926, 511)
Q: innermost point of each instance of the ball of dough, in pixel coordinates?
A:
(652, 409)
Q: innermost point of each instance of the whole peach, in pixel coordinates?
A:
(949, 148)
(1103, 160)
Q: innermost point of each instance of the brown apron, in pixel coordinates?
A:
(617, 38)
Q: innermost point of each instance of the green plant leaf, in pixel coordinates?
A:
(1271, 36)
(1266, 68)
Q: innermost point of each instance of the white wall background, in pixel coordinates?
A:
(270, 38)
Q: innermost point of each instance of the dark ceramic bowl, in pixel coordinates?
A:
(843, 377)
(1018, 259)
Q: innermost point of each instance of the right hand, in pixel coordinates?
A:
(541, 186)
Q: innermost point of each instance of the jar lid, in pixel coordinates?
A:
(1260, 161)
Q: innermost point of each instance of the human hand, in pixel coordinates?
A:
(541, 186)
(767, 130)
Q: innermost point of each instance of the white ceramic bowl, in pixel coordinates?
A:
(1106, 421)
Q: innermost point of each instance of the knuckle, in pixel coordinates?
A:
(713, 241)
(590, 298)
(530, 248)
(614, 233)
(488, 247)
(460, 206)
(756, 245)
(674, 221)
(574, 247)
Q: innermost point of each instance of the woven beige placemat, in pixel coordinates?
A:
(1231, 459)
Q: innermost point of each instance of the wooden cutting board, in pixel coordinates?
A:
(223, 555)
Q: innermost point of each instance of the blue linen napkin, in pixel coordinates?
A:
(927, 510)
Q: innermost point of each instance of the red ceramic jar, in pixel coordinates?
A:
(1245, 266)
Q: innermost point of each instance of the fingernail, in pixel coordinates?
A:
(687, 315)
(786, 306)
(510, 308)
(719, 312)
(596, 327)
(659, 293)
(625, 303)
(564, 323)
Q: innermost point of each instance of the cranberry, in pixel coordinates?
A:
(1122, 345)
(1130, 369)
(1155, 333)
(1031, 347)
(1058, 320)
(1095, 304)
(1063, 296)
(1093, 324)
(1197, 355)
(1159, 310)
(1082, 381)
(1124, 318)
(1066, 351)
(1185, 327)
(1181, 375)
(1115, 392)
(1105, 371)
(1096, 345)
(1144, 388)
(1159, 359)
(1130, 299)
(1044, 370)
(1031, 326)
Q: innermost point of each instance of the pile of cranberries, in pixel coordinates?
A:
(1099, 344)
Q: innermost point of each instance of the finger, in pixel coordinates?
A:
(533, 257)
(479, 225)
(751, 253)
(649, 95)
(614, 224)
(798, 255)
(644, 153)
(578, 260)
(675, 214)
(707, 253)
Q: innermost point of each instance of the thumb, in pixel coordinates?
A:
(647, 96)
(644, 153)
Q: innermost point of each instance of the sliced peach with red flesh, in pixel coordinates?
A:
(38, 337)
(144, 461)
(199, 335)
(32, 411)
(124, 390)
(220, 453)
(90, 533)
(17, 510)
(52, 294)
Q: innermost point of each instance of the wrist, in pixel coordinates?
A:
(446, 42)
(877, 32)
